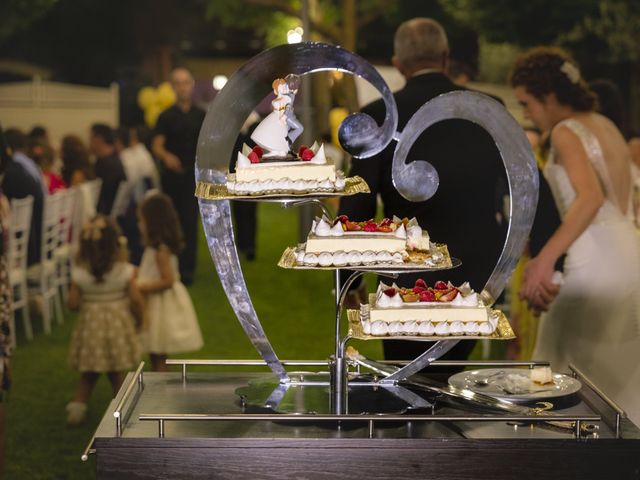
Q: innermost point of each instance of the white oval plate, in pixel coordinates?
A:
(514, 384)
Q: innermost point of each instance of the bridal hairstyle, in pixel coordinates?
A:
(545, 70)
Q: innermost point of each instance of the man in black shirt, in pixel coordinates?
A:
(174, 144)
(108, 165)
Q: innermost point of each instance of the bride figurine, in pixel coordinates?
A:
(277, 132)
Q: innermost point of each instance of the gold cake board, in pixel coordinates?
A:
(503, 331)
(288, 260)
(217, 191)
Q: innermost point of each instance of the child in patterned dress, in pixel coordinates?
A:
(104, 292)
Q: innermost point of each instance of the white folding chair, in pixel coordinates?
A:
(21, 211)
(64, 250)
(42, 277)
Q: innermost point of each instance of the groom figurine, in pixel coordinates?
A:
(463, 211)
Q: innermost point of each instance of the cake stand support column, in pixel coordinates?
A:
(337, 366)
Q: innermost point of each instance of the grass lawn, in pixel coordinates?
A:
(295, 307)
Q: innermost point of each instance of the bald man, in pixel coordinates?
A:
(462, 213)
(174, 144)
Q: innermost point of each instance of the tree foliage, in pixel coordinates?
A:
(18, 15)
(526, 23)
(335, 21)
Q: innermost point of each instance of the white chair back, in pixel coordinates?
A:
(19, 228)
(51, 225)
(67, 214)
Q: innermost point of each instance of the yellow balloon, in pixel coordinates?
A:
(151, 115)
(336, 116)
(165, 96)
(146, 97)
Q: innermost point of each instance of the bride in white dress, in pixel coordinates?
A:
(594, 322)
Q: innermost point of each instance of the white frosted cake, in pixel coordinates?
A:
(272, 166)
(441, 310)
(258, 173)
(347, 243)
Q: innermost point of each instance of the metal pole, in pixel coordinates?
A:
(305, 213)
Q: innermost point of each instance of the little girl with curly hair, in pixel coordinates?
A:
(104, 292)
(172, 323)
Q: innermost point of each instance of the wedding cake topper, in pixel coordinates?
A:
(277, 132)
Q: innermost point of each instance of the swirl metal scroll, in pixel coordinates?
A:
(522, 175)
(225, 117)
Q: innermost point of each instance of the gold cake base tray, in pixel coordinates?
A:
(217, 191)
(503, 331)
(288, 260)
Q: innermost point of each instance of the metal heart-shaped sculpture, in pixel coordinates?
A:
(360, 135)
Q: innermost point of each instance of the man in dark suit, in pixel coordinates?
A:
(108, 166)
(462, 213)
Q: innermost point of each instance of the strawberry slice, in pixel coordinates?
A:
(302, 149)
(352, 226)
(448, 296)
(253, 157)
(390, 292)
(418, 289)
(385, 222)
(370, 227)
(440, 285)
(427, 296)
(342, 219)
(421, 283)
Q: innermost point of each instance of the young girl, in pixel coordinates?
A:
(104, 291)
(173, 325)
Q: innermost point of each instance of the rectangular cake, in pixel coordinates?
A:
(343, 242)
(426, 311)
(257, 173)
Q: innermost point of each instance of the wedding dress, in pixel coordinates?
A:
(594, 321)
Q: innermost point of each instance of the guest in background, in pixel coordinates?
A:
(141, 172)
(610, 102)
(6, 297)
(245, 213)
(104, 292)
(43, 155)
(108, 166)
(174, 144)
(172, 321)
(23, 178)
(76, 167)
(137, 161)
(421, 54)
